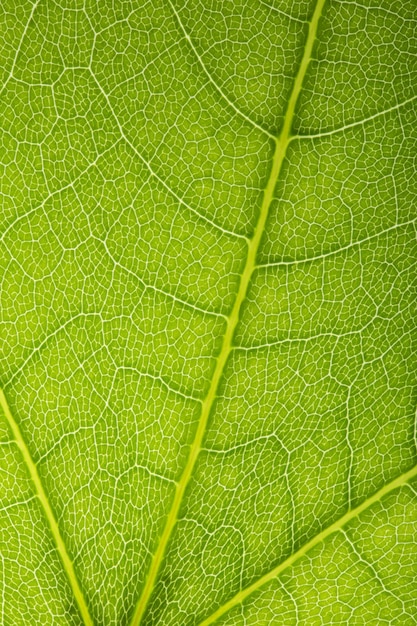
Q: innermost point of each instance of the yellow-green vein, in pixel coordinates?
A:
(253, 245)
(337, 525)
(43, 498)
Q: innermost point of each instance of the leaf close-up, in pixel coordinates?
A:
(208, 312)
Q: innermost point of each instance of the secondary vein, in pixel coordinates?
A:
(319, 538)
(281, 146)
(211, 79)
(53, 524)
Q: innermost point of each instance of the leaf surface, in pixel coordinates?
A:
(207, 312)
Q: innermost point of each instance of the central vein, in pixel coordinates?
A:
(281, 146)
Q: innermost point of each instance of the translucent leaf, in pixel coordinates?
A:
(207, 313)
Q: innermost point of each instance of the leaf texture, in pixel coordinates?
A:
(207, 312)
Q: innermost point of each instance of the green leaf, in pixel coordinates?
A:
(208, 305)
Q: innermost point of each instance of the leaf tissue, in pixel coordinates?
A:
(208, 313)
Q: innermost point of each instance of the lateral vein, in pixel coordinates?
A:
(211, 79)
(319, 538)
(281, 145)
(43, 498)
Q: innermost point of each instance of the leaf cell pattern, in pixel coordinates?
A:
(207, 312)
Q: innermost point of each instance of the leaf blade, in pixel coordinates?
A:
(108, 369)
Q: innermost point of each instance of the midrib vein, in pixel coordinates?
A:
(319, 538)
(43, 499)
(281, 146)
